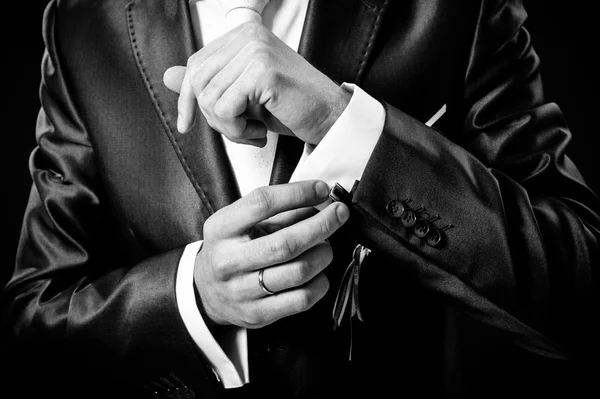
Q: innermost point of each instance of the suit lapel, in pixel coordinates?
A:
(161, 36)
(337, 39)
(338, 36)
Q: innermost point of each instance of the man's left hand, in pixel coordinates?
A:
(248, 81)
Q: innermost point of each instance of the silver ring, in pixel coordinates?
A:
(262, 283)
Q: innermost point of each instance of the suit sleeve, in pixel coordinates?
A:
(519, 226)
(80, 309)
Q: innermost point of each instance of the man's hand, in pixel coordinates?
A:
(273, 228)
(247, 81)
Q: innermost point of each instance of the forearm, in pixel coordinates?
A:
(496, 254)
(520, 227)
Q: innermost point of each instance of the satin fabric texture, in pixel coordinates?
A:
(506, 306)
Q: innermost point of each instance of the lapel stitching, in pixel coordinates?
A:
(195, 165)
(160, 111)
(374, 30)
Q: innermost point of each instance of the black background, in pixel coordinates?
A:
(563, 35)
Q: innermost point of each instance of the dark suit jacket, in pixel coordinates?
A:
(503, 302)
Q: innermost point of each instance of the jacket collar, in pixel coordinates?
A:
(337, 38)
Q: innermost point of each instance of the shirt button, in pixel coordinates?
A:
(421, 228)
(408, 218)
(435, 237)
(395, 208)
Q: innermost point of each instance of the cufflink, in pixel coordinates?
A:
(339, 194)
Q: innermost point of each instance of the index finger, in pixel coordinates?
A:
(265, 202)
(285, 219)
(187, 98)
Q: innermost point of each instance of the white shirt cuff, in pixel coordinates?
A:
(230, 359)
(342, 155)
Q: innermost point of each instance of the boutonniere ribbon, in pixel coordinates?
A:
(348, 291)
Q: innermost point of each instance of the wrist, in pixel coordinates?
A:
(210, 321)
(336, 108)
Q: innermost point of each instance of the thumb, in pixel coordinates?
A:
(173, 78)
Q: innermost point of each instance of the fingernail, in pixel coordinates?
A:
(343, 213)
(321, 189)
(180, 126)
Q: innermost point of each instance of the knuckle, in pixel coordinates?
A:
(256, 48)
(200, 93)
(255, 29)
(222, 267)
(269, 91)
(236, 290)
(253, 318)
(284, 248)
(275, 250)
(259, 201)
(218, 271)
(221, 110)
(300, 191)
(212, 225)
(203, 99)
(192, 59)
(300, 273)
(258, 68)
(270, 80)
(326, 227)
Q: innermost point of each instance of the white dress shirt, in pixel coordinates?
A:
(340, 157)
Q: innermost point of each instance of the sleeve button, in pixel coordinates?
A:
(395, 208)
(408, 218)
(435, 237)
(421, 228)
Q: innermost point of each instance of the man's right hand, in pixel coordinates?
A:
(273, 228)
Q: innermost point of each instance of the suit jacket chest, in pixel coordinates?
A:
(165, 185)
